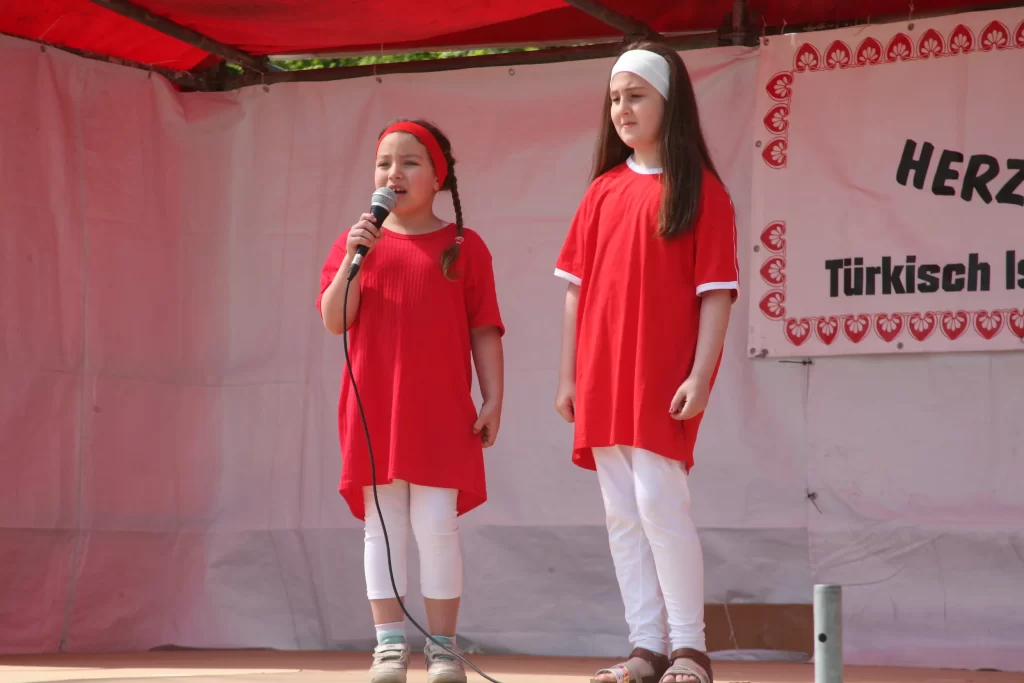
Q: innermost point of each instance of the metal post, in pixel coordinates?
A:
(128, 9)
(739, 21)
(828, 634)
(628, 25)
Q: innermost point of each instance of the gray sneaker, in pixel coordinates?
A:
(442, 667)
(390, 663)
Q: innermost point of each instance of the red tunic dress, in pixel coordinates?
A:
(639, 309)
(411, 355)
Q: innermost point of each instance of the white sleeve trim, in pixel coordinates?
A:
(709, 286)
(568, 276)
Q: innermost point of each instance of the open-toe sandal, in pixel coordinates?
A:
(643, 666)
(689, 662)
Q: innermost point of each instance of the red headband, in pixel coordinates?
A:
(428, 140)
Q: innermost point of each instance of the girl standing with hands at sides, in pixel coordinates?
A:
(420, 310)
(650, 258)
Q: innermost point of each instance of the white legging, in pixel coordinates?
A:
(432, 514)
(655, 548)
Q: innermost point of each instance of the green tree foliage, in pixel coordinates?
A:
(298, 64)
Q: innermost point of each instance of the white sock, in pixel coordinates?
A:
(447, 641)
(391, 633)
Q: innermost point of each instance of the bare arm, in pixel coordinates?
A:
(490, 363)
(565, 400)
(714, 321)
(488, 356)
(332, 303)
(692, 396)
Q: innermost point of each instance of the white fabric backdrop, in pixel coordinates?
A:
(168, 448)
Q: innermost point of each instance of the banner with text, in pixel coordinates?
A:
(888, 189)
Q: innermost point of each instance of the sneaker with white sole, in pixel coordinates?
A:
(390, 663)
(442, 667)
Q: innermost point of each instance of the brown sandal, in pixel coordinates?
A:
(689, 662)
(629, 672)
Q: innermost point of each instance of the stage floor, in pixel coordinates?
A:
(346, 667)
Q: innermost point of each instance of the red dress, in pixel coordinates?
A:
(411, 355)
(639, 309)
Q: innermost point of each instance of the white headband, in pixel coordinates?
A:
(648, 65)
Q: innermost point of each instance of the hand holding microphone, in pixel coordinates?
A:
(364, 234)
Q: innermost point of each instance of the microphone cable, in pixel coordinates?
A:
(380, 515)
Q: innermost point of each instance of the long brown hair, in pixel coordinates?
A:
(451, 254)
(684, 154)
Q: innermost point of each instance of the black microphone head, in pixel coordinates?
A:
(384, 197)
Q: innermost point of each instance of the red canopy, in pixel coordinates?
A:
(272, 27)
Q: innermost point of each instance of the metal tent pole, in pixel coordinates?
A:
(828, 633)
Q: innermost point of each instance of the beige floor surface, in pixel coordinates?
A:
(260, 666)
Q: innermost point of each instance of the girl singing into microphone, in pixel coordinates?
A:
(650, 258)
(420, 310)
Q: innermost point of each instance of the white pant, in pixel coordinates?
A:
(435, 525)
(655, 548)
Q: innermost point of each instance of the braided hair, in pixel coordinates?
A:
(451, 254)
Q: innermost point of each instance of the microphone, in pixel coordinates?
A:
(381, 204)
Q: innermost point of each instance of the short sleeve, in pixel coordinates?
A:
(716, 265)
(330, 268)
(570, 263)
(481, 293)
